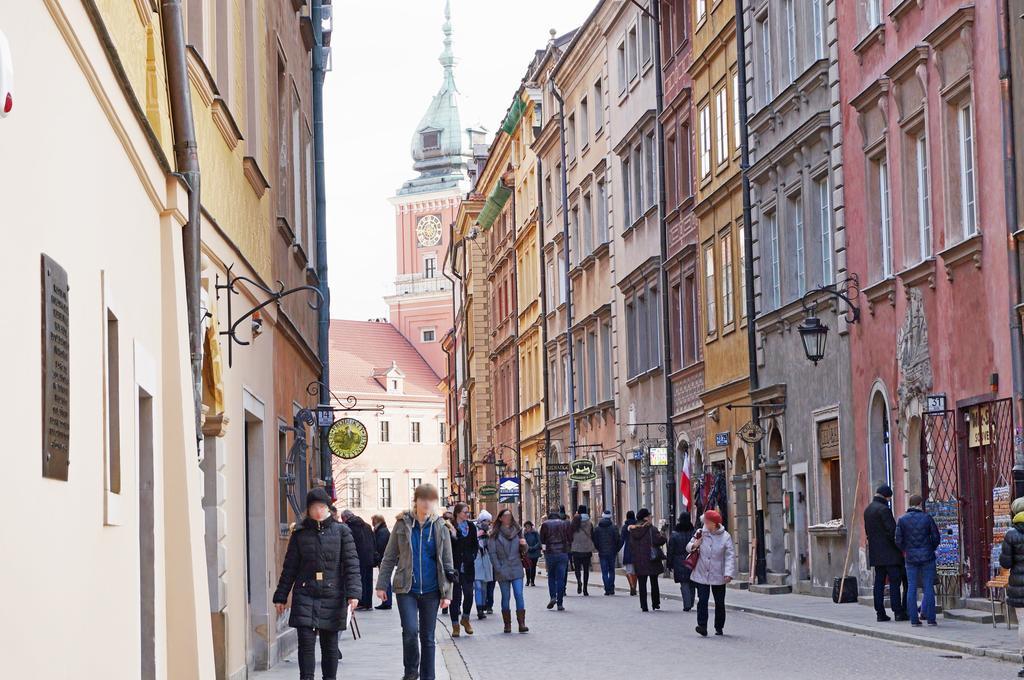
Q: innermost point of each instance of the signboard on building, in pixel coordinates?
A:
(488, 490)
(582, 470)
(347, 438)
(508, 490)
(638, 454)
(324, 416)
(558, 467)
(56, 369)
(721, 439)
(828, 438)
(659, 455)
(935, 403)
(751, 432)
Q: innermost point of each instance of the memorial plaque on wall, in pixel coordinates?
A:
(56, 370)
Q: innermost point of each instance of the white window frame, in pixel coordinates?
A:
(415, 432)
(825, 215)
(598, 106)
(968, 180)
(702, 10)
(704, 118)
(791, 53)
(384, 431)
(818, 18)
(710, 290)
(423, 334)
(721, 125)
(924, 217)
(776, 266)
(741, 238)
(350, 497)
(885, 217)
(766, 57)
(798, 237)
(728, 306)
(623, 67)
(380, 491)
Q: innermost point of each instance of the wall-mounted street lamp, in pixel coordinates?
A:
(813, 331)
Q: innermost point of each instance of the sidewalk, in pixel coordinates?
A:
(377, 655)
(954, 636)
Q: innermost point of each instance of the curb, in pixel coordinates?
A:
(452, 656)
(904, 638)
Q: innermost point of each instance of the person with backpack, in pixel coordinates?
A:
(645, 547)
(716, 567)
(607, 541)
(682, 534)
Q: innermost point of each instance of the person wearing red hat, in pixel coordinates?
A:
(716, 567)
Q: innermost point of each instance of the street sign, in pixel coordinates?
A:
(508, 490)
(347, 438)
(558, 467)
(721, 439)
(659, 456)
(638, 454)
(488, 490)
(324, 416)
(751, 433)
(582, 470)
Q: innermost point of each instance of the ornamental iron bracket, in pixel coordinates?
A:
(273, 296)
(847, 290)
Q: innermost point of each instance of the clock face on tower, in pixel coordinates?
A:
(428, 231)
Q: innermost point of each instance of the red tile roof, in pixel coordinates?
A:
(361, 350)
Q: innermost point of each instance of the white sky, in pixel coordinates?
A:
(385, 74)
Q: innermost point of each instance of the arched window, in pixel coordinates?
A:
(879, 441)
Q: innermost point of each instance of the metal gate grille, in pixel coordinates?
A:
(940, 486)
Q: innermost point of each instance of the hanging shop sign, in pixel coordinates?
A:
(659, 456)
(721, 439)
(347, 438)
(508, 490)
(751, 433)
(558, 467)
(582, 470)
(487, 491)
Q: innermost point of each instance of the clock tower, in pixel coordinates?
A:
(442, 152)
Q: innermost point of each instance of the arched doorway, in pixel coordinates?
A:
(741, 484)
(879, 441)
(775, 516)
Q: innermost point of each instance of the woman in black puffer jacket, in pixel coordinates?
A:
(321, 570)
(1012, 557)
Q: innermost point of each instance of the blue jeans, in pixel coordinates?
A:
(923, 575)
(517, 589)
(419, 616)
(480, 589)
(558, 570)
(608, 572)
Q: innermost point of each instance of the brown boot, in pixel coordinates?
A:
(455, 630)
(521, 618)
(466, 626)
(506, 617)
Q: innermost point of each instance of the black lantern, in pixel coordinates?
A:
(537, 472)
(813, 334)
(499, 466)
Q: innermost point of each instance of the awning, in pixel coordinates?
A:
(515, 114)
(493, 205)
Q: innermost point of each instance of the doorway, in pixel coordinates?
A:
(255, 508)
(800, 518)
(147, 538)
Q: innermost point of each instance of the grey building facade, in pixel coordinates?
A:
(798, 235)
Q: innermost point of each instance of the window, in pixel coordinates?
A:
(565, 383)
(643, 331)
(296, 171)
(653, 323)
(626, 198)
(825, 229)
(415, 434)
(721, 126)
(413, 483)
(968, 207)
(728, 310)
(385, 431)
(773, 248)
(602, 212)
(430, 266)
(385, 492)
(741, 231)
(709, 289)
(874, 9)
(835, 488)
(431, 140)
(649, 165)
(631, 338)
(549, 199)
(606, 360)
(574, 235)
(646, 40)
(705, 142)
(818, 19)
(442, 488)
(800, 263)
(702, 9)
(885, 222)
(598, 106)
(637, 165)
(561, 278)
(442, 435)
(736, 110)
(620, 54)
(570, 136)
(584, 123)
(113, 405)
(691, 321)
(284, 192)
(633, 56)
(790, 38)
(765, 33)
(588, 225)
(580, 358)
(282, 485)
(671, 171)
(428, 335)
(355, 492)
(924, 223)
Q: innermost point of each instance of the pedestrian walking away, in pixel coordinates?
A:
(1012, 558)
(884, 555)
(716, 568)
(366, 548)
(582, 550)
(917, 536)
(607, 541)
(419, 555)
(483, 572)
(681, 536)
(464, 550)
(508, 547)
(557, 540)
(627, 554)
(321, 572)
(381, 536)
(533, 552)
(648, 557)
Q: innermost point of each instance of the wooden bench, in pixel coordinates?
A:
(999, 583)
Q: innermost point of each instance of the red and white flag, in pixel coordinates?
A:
(684, 484)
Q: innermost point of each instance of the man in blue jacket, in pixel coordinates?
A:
(918, 537)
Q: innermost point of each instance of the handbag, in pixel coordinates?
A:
(691, 560)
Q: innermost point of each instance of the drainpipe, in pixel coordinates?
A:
(186, 158)
(748, 274)
(324, 313)
(1010, 207)
(567, 281)
(453, 460)
(468, 439)
(544, 319)
(515, 364)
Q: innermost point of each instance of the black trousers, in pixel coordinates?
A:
(366, 574)
(655, 593)
(531, 573)
(897, 577)
(462, 598)
(703, 593)
(328, 653)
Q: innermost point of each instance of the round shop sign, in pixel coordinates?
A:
(751, 433)
(347, 438)
(582, 470)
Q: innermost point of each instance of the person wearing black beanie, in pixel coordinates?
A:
(885, 556)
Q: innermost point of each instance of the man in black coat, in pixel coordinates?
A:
(367, 549)
(884, 555)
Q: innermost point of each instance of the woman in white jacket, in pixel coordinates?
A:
(715, 568)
